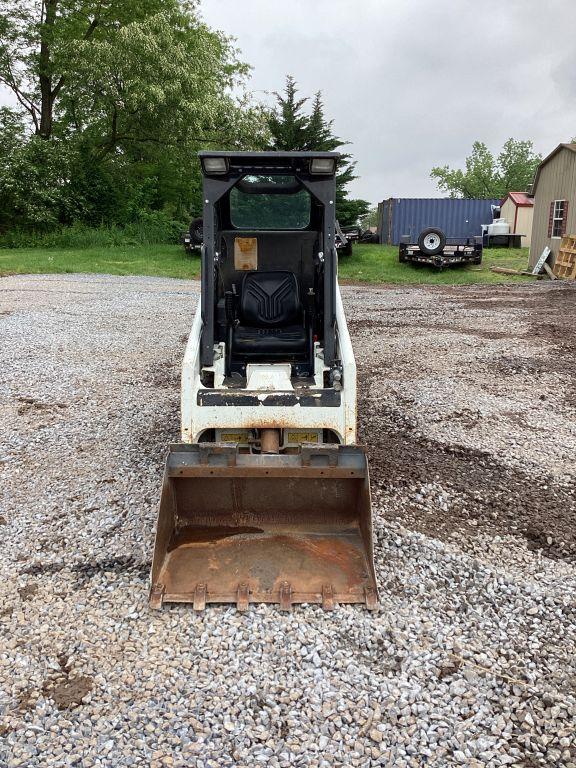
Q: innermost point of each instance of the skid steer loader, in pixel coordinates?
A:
(267, 497)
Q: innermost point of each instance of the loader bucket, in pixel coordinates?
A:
(248, 528)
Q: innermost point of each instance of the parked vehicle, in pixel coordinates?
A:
(369, 237)
(434, 248)
(352, 232)
(194, 237)
(458, 218)
(342, 241)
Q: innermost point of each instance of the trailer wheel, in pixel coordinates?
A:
(197, 231)
(431, 241)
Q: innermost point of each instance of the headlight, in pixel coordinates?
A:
(325, 166)
(215, 165)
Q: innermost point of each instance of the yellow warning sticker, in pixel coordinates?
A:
(302, 437)
(245, 253)
(234, 437)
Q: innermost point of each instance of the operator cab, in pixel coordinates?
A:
(269, 247)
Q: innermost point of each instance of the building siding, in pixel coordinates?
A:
(524, 224)
(457, 218)
(508, 212)
(522, 215)
(557, 181)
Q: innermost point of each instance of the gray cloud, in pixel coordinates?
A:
(412, 83)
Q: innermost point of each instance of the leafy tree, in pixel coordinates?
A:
(39, 47)
(370, 219)
(127, 91)
(488, 176)
(293, 130)
(350, 210)
(33, 183)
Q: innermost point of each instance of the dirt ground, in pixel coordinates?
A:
(517, 388)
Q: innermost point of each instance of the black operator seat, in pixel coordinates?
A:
(271, 317)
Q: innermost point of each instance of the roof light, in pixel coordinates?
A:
(325, 166)
(215, 165)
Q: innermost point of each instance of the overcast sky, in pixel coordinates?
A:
(412, 83)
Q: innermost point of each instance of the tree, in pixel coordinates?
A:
(288, 124)
(33, 178)
(370, 219)
(487, 176)
(39, 47)
(293, 130)
(128, 91)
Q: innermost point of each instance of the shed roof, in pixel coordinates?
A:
(559, 148)
(520, 199)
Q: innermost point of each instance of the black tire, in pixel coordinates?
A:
(197, 231)
(431, 241)
(346, 250)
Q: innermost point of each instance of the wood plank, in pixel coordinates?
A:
(508, 271)
(549, 272)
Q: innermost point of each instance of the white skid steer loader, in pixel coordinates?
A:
(267, 497)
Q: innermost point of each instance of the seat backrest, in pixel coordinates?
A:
(270, 299)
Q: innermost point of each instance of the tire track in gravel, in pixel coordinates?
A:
(487, 496)
(496, 497)
(552, 324)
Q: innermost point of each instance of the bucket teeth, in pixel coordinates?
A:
(156, 596)
(371, 598)
(328, 597)
(285, 596)
(199, 597)
(243, 597)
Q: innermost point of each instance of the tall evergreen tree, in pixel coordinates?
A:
(319, 135)
(293, 130)
(288, 124)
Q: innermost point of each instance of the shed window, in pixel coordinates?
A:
(558, 218)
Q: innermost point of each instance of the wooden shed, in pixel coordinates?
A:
(554, 193)
(517, 208)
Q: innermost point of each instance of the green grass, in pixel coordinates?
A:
(379, 264)
(158, 260)
(369, 264)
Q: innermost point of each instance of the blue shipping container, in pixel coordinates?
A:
(455, 217)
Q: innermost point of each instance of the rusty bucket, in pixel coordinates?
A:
(247, 528)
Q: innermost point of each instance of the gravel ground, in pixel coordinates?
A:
(467, 409)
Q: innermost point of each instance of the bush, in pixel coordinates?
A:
(150, 228)
(155, 227)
